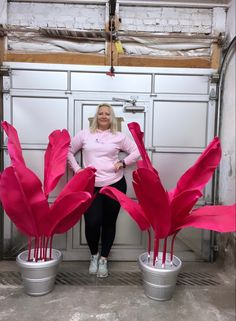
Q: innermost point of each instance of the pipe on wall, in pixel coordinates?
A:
(226, 59)
(149, 3)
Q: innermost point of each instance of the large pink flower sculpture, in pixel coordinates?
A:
(26, 203)
(168, 212)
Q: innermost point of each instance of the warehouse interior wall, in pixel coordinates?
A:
(227, 195)
(171, 34)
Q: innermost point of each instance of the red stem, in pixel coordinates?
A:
(44, 244)
(164, 252)
(40, 247)
(51, 247)
(156, 248)
(172, 246)
(37, 248)
(29, 248)
(149, 242)
(46, 248)
(34, 247)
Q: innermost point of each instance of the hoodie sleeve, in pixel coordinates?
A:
(129, 146)
(75, 146)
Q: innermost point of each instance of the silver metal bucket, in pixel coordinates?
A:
(159, 282)
(38, 277)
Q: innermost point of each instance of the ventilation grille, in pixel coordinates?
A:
(197, 278)
(115, 279)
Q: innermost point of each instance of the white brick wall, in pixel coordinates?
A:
(156, 19)
(219, 21)
(152, 19)
(3, 11)
(56, 15)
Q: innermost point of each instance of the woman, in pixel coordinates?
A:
(101, 145)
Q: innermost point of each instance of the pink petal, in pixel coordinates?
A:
(67, 212)
(138, 138)
(141, 164)
(15, 203)
(33, 195)
(84, 180)
(200, 173)
(130, 206)
(55, 159)
(13, 145)
(181, 205)
(220, 218)
(154, 200)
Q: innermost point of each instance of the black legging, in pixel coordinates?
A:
(101, 218)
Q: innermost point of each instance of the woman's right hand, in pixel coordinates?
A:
(118, 166)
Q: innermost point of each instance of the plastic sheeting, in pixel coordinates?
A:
(37, 43)
(94, 41)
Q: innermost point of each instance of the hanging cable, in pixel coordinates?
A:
(222, 72)
(112, 29)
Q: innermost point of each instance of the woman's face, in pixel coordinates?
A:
(104, 118)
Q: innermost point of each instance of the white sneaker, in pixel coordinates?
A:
(93, 267)
(102, 268)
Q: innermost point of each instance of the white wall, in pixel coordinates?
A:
(78, 16)
(159, 19)
(227, 168)
(133, 18)
(3, 11)
(226, 241)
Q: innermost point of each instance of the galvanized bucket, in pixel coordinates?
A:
(38, 277)
(159, 282)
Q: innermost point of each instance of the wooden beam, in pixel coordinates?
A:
(111, 24)
(2, 48)
(111, 54)
(215, 56)
(172, 62)
(56, 58)
(101, 60)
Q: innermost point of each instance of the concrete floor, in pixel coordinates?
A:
(121, 303)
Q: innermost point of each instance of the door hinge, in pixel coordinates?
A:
(215, 248)
(213, 94)
(6, 91)
(150, 149)
(4, 71)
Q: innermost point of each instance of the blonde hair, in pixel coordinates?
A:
(113, 124)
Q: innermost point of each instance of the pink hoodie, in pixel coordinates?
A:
(101, 150)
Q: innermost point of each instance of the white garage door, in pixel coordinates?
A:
(176, 115)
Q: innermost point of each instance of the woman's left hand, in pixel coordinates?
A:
(118, 166)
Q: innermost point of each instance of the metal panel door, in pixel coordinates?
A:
(178, 122)
(183, 125)
(34, 118)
